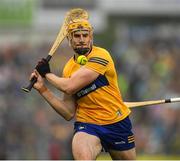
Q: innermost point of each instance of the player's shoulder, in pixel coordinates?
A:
(100, 52)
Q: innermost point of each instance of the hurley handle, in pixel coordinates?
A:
(34, 79)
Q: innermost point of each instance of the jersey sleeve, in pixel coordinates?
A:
(98, 63)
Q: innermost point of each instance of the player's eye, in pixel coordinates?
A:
(85, 35)
(76, 35)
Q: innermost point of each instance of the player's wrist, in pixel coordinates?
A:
(42, 89)
(48, 75)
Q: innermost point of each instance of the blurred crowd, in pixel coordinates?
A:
(29, 128)
(147, 59)
(147, 62)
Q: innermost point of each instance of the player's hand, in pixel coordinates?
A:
(40, 82)
(43, 67)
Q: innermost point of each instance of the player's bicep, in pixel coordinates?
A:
(82, 78)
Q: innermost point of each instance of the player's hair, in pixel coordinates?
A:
(77, 22)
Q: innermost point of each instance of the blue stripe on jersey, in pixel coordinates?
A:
(98, 83)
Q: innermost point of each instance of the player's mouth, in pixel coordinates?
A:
(81, 45)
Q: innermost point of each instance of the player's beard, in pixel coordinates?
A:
(82, 51)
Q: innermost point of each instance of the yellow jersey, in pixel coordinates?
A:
(100, 102)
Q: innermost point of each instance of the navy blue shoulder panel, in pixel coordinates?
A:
(98, 83)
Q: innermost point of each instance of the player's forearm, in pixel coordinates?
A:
(58, 105)
(64, 84)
